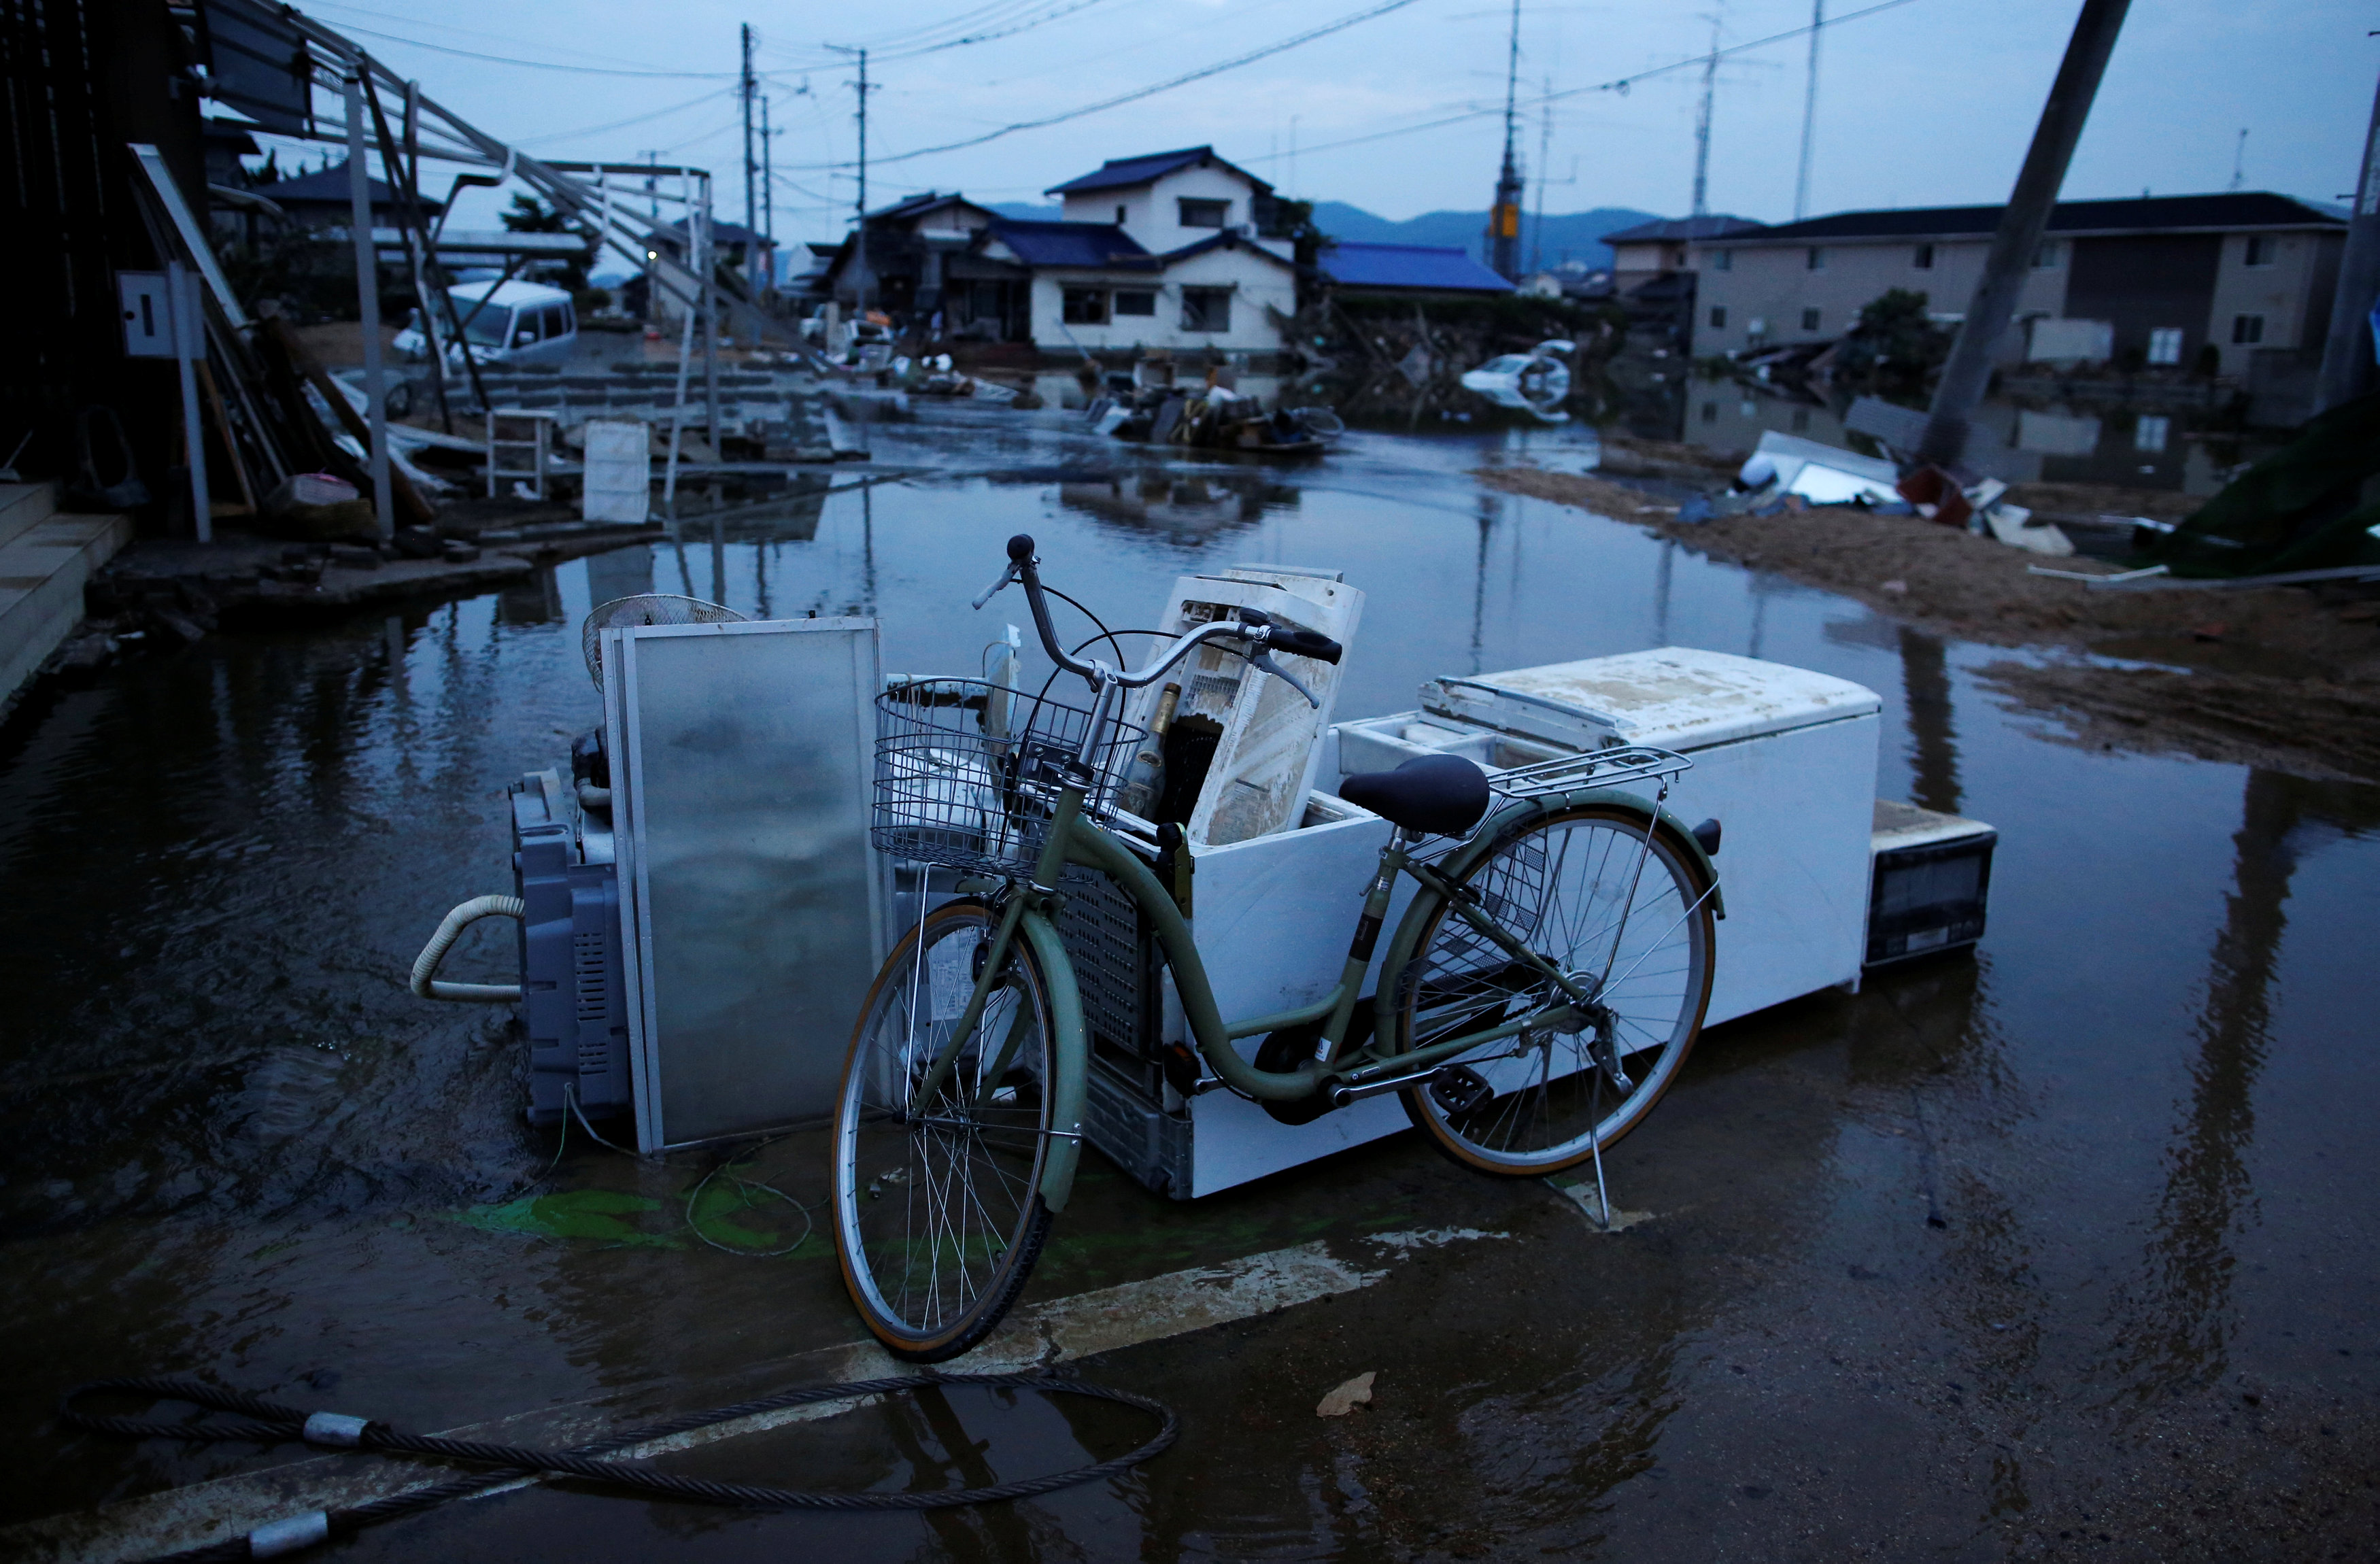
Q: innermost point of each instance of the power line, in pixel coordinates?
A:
(695, 102)
(451, 28)
(539, 65)
(1182, 80)
(1619, 84)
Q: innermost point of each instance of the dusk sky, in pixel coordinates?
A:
(1930, 102)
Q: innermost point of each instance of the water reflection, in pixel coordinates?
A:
(2178, 1319)
(1192, 508)
(2187, 446)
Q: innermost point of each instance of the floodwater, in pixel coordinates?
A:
(2066, 1248)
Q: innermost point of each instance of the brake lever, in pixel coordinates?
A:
(1006, 577)
(1262, 659)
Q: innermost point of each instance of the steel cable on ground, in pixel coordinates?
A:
(257, 1421)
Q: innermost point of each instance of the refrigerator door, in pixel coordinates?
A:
(751, 905)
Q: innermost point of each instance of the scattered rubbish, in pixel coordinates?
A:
(618, 482)
(1936, 496)
(1346, 1397)
(1820, 474)
(1895, 586)
(2096, 580)
(1535, 383)
(2014, 526)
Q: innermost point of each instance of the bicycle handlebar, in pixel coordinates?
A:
(1252, 626)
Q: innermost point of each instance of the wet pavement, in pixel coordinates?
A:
(2064, 1250)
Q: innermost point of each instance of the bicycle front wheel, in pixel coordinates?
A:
(1569, 887)
(939, 1216)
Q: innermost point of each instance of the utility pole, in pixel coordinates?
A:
(1504, 216)
(751, 216)
(1702, 126)
(768, 194)
(2018, 237)
(1809, 112)
(1544, 166)
(2347, 367)
(859, 208)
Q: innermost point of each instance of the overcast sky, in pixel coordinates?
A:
(1928, 102)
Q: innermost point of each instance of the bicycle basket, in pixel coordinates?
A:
(967, 772)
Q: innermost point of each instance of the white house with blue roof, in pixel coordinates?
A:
(1165, 249)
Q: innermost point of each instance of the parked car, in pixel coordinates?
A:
(505, 322)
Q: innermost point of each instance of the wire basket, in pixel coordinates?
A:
(967, 772)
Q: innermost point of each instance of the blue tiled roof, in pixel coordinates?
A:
(1121, 173)
(1409, 266)
(1072, 243)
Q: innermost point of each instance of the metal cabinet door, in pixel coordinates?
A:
(750, 902)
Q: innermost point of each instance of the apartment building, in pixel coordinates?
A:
(2153, 281)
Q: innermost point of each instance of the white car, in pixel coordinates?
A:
(505, 322)
(1535, 383)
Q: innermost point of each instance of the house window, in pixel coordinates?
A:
(1085, 307)
(1809, 320)
(1205, 213)
(2247, 330)
(1119, 215)
(2046, 257)
(2164, 345)
(1816, 261)
(2151, 430)
(1922, 259)
(1719, 317)
(1206, 309)
(1136, 301)
(1722, 261)
(1710, 412)
(2260, 250)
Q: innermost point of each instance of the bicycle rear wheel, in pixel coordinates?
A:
(939, 1216)
(1568, 886)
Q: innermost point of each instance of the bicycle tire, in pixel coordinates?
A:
(910, 1272)
(1545, 1114)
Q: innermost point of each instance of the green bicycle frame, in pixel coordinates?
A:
(1073, 840)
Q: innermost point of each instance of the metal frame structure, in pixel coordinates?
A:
(582, 192)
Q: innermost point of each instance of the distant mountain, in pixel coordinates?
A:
(1576, 235)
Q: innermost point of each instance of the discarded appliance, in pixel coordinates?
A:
(1931, 876)
(1784, 758)
(694, 946)
(1827, 475)
(1535, 383)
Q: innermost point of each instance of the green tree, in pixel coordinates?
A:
(530, 215)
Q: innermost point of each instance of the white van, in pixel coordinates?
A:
(505, 322)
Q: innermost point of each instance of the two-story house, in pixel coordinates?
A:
(2235, 283)
(1177, 249)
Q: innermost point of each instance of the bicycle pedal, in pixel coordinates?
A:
(1457, 1089)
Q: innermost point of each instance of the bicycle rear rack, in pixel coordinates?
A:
(1601, 768)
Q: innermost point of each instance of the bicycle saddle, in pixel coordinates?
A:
(1437, 794)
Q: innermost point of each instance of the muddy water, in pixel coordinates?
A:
(2069, 1245)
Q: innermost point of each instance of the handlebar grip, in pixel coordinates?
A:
(1306, 643)
(1020, 548)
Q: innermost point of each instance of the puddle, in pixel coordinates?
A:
(234, 1144)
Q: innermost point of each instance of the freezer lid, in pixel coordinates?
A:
(1676, 697)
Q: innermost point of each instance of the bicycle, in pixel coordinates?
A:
(1560, 950)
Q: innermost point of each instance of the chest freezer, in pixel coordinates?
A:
(1784, 758)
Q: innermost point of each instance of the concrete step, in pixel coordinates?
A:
(43, 569)
(24, 507)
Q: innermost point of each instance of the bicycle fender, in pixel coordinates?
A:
(1073, 1048)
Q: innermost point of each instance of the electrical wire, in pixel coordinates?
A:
(470, 32)
(1619, 84)
(1340, 25)
(541, 65)
(617, 124)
